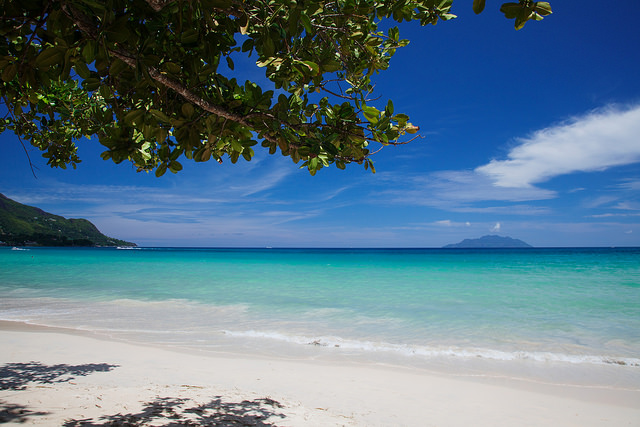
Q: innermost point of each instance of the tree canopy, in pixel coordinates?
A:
(155, 80)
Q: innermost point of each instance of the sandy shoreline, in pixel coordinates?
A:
(50, 376)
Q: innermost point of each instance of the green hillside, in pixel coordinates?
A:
(26, 225)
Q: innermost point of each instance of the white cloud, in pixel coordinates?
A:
(496, 227)
(630, 185)
(270, 180)
(449, 188)
(461, 191)
(628, 206)
(609, 215)
(449, 223)
(594, 142)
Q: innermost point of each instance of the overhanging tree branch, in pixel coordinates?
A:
(144, 77)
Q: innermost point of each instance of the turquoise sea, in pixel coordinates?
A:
(558, 315)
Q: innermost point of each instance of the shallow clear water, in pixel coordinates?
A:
(553, 307)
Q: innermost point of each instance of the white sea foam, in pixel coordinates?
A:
(436, 352)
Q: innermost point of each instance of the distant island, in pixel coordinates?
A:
(22, 225)
(490, 242)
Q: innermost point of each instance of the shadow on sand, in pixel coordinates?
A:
(10, 413)
(16, 376)
(177, 412)
(167, 411)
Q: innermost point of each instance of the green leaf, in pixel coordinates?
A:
(478, 6)
(172, 67)
(400, 117)
(311, 66)
(374, 41)
(373, 169)
(189, 36)
(294, 21)
(132, 116)
(230, 62)
(89, 52)
(160, 115)
(268, 47)
(411, 128)
(371, 114)
(236, 146)
(510, 10)
(9, 72)
(117, 66)
(306, 23)
(331, 66)
(187, 110)
(82, 69)
(161, 170)
(204, 156)
(49, 57)
(175, 166)
(243, 22)
(543, 8)
(394, 34)
(523, 16)
(284, 146)
(247, 45)
(91, 84)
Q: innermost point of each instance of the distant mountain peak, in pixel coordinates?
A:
(490, 241)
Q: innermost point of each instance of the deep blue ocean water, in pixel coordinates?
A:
(419, 307)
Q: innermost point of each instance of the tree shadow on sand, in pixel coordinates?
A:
(16, 376)
(11, 413)
(178, 412)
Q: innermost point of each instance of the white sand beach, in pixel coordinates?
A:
(54, 377)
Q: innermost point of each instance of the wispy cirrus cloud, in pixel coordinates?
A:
(594, 142)
(630, 184)
(449, 223)
(612, 215)
(464, 192)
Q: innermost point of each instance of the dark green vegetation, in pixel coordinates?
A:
(156, 81)
(25, 225)
(490, 242)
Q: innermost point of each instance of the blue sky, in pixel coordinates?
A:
(532, 134)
